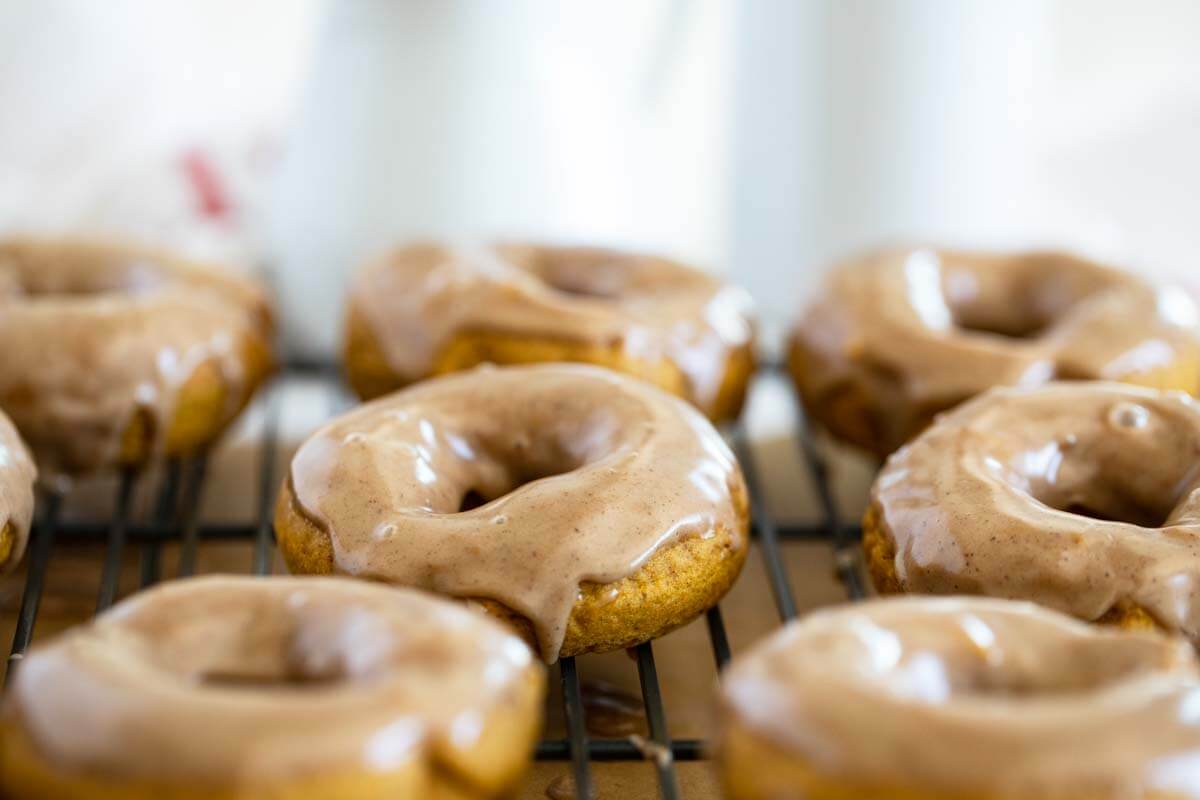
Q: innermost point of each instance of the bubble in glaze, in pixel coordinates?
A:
(1128, 416)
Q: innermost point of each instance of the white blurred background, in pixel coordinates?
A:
(759, 138)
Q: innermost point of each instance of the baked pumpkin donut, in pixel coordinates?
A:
(231, 688)
(114, 354)
(959, 699)
(900, 335)
(17, 476)
(429, 309)
(592, 511)
(1082, 497)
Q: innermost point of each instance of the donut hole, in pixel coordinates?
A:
(78, 277)
(1013, 327)
(1019, 298)
(1147, 503)
(1066, 373)
(964, 662)
(1083, 669)
(1127, 464)
(509, 477)
(580, 272)
(472, 498)
(293, 655)
(1007, 311)
(299, 643)
(1130, 513)
(578, 288)
(248, 679)
(533, 444)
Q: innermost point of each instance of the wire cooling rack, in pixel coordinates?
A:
(175, 519)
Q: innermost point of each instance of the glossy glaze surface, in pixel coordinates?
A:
(17, 476)
(1079, 496)
(975, 696)
(583, 474)
(919, 329)
(417, 298)
(95, 333)
(225, 680)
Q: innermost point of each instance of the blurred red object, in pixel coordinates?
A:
(207, 185)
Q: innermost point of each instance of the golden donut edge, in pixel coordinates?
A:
(674, 586)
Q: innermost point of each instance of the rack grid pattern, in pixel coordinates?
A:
(176, 518)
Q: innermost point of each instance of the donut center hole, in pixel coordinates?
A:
(1130, 468)
(582, 273)
(471, 499)
(70, 280)
(1082, 677)
(1130, 513)
(70, 291)
(253, 680)
(535, 440)
(578, 286)
(1021, 300)
(1010, 327)
(1069, 667)
(516, 477)
(1118, 500)
(960, 668)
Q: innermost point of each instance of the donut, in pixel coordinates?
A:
(898, 336)
(115, 354)
(288, 688)
(959, 699)
(429, 309)
(588, 509)
(17, 477)
(1084, 497)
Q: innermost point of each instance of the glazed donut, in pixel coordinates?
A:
(114, 354)
(430, 309)
(17, 477)
(590, 510)
(898, 336)
(1082, 497)
(288, 688)
(959, 699)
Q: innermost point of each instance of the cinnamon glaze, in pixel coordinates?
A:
(517, 484)
(96, 336)
(914, 331)
(419, 297)
(972, 697)
(238, 681)
(1082, 497)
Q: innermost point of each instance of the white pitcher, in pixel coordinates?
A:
(467, 118)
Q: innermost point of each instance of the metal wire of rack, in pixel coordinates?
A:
(176, 518)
